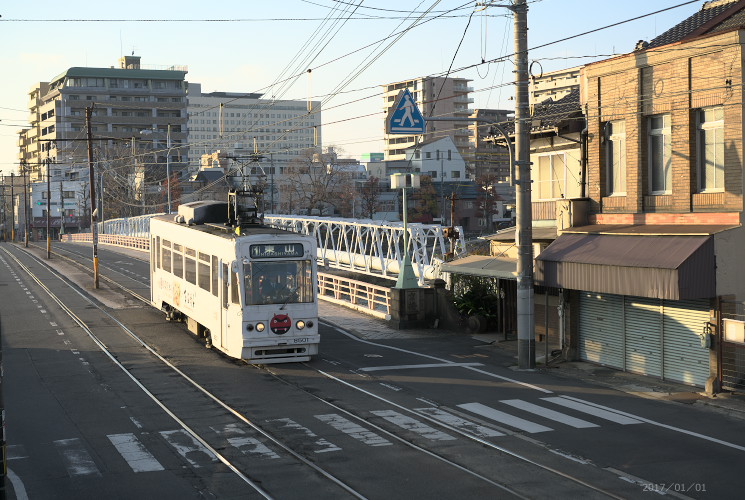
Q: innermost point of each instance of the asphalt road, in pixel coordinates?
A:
(439, 417)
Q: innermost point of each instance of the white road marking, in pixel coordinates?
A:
(291, 424)
(136, 422)
(76, 458)
(556, 416)
(592, 410)
(18, 488)
(250, 446)
(135, 453)
(354, 430)
(504, 418)
(16, 451)
(664, 426)
(247, 445)
(187, 446)
(409, 367)
(391, 387)
(412, 425)
(460, 423)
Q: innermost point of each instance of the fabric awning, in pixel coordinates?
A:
(483, 265)
(665, 267)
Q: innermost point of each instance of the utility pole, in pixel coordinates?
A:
(25, 208)
(61, 211)
(168, 164)
(49, 211)
(12, 208)
(92, 183)
(523, 202)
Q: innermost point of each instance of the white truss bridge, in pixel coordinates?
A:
(362, 246)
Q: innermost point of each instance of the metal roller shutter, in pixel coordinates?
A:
(601, 329)
(684, 358)
(643, 318)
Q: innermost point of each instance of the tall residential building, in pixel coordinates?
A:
(489, 159)
(130, 104)
(435, 97)
(241, 123)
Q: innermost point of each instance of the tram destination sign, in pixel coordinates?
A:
(276, 251)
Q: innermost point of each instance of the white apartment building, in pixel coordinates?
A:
(435, 97)
(240, 124)
(134, 112)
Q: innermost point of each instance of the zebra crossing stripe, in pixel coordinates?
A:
(592, 410)
(412, 425)
(352, 429)
(187, 446)
(504, 418)
(76, 458)
(325, 445)
(134, 452)
(250, 446)
(577, 423)
(460, 423)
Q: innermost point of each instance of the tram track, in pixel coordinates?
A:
(114, 357)
(502, 486)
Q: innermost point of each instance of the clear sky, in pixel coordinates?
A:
(247, 46)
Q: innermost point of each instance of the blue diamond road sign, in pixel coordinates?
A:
(404, 116)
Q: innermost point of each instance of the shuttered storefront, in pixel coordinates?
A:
(685, 360)
(643, 336)
(646, 336)
(601, 329)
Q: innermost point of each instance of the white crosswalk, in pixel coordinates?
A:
(506, 415)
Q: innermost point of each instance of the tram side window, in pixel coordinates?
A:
(166, 255)
(178, 261)
(190, 266)
(203, 271)
(215, 276)
(234, 295)
(157, 252)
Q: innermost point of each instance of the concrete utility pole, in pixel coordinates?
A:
(92, 182)
(12, 208)
(523, 204)
(49, 211)
(25, 209)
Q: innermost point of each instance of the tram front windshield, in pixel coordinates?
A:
(275, 282)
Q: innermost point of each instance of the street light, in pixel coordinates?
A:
(168, 165)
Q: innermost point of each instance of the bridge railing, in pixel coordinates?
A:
(370, 299)
(365, 297)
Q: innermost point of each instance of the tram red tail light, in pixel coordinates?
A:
(249, 327)
(310, 324)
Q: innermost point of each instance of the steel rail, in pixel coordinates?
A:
(191, 381)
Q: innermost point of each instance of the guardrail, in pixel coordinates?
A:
(134, 242)
(364, 297)
(370, 299)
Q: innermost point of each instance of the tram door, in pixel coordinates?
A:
(225, 301)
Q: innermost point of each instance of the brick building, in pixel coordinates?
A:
(652, 274)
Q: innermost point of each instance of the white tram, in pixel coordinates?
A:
(251, 291)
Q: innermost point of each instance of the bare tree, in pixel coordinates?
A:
(487, 198)
(425, 201)
(369, 193)
(315, 181)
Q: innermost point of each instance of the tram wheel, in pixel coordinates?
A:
(208, 339)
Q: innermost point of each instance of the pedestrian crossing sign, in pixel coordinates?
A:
(404, 116)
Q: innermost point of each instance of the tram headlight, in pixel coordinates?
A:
(300, 324)
(260, 327)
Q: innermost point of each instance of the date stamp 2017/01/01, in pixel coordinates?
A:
(676, 487)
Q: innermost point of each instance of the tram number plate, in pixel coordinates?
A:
(300, 341)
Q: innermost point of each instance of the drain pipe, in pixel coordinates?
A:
(583, 162)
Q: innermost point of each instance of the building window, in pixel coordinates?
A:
(660, 155)
(455, 174)
(551, 177)
(710, 148)
(615, 134)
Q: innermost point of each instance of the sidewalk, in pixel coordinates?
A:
(371, 328)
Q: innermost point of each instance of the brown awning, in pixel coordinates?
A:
(664, 267)
(483, 265)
